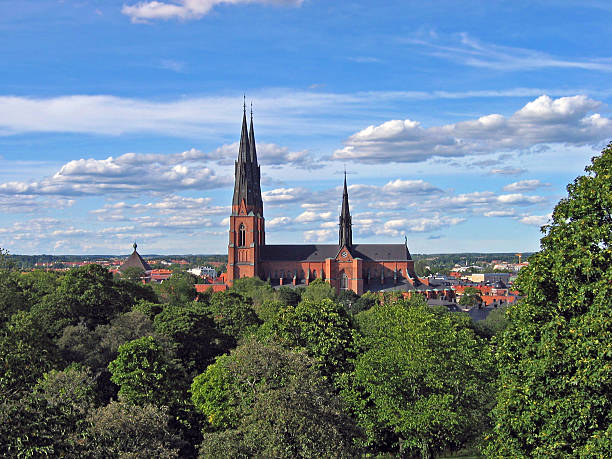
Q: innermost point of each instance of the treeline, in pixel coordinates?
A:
(99, 366)
(442, 263)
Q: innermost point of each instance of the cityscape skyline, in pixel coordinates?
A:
(459, 126)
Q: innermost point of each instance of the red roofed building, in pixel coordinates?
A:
(358, 267)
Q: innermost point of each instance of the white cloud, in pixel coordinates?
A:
(525, 185)
(186, 9)
(128, 173)
(321, 235)
(567, 120)
(268, 154)
(410, 187)
(535, 220)
(499, 213)
(276, 222)
(285, 111)
(397, 227)
(310, 216)
(471, 52)
(281, 196)
(508, 171)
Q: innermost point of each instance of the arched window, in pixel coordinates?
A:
(241, 235)
(344, 282)
(314, 273)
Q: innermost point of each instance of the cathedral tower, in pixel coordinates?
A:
(247, 231)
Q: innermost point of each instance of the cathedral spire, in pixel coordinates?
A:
(255, 167)
(247, 176)
(346, 230)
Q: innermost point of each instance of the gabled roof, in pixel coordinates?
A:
(320, 252)
(135, 261)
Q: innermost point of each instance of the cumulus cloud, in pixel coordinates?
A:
(282, 196)
(566, 120)
(172, 204)
(128, 173)
(268, 154)
(310, 216)
(320, 235)
(186, 9)
(525, 185)
(535, 220)
(410, 187)
(399, 226)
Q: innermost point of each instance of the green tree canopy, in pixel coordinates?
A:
(233, 313)
(321, 328)
(197, 338)
(422, 377)
(319, 290)
(144, 371)
(554, 358)
(266, 401)
(50, 420)
(177, 290)
(254, 288)
(122, 429)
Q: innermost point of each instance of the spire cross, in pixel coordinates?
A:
(244, 102)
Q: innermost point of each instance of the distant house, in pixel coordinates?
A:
(136, 261)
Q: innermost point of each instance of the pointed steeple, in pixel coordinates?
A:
(243, 153)
(255, 166)
(247, 177)
(346, 229)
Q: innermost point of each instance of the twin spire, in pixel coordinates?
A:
(247, 174)
(247, 186)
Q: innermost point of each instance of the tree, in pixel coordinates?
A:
(50, 420)
(133, 274)
(421, 382)
(288, 296)
(321, 328)
(198, 341)
(318, 290)
(144, 370)
(12, 296)
(26, 352)
(365, 302)
(233, 314)
(5, 260)
(86, 294)
(348, 299)
(266, 401)
(122, 429)
(177, 290)
(555, 395)
(471, 297)
(254, 288)
(494, 324)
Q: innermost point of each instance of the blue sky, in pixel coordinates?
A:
(459, 123)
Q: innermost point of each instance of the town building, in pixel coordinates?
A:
(345, 265)
(136, 261)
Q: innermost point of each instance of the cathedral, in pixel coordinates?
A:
(358, 267)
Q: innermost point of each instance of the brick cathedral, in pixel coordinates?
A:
(358, 267)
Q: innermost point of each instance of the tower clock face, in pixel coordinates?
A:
(344, 254)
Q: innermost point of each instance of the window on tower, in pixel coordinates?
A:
(242, 235)
(344, 282)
